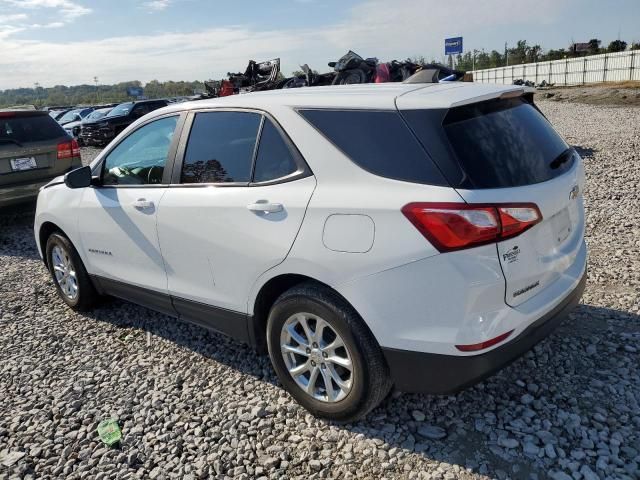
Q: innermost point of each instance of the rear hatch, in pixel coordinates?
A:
(504, 151)
(33, 147)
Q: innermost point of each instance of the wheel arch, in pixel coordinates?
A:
(269, 293)
(46, 230)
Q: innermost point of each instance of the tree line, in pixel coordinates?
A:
(62, 95)
(525, 53)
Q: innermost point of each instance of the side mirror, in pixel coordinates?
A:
(78, 178)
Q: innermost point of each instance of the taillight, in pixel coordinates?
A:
(68, 149)
(455, 226)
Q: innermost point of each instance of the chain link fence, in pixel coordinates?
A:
(606, 67)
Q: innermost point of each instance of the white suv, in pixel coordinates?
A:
(416, 236)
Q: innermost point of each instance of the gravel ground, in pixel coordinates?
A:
(193, 404)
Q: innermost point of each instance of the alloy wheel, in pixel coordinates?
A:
(316, 357)
(64, 272)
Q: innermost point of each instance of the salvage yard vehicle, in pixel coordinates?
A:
(102, 131)
(74, 128)
(33, 149)
(368, 236)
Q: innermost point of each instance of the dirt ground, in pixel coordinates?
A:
(611, 93)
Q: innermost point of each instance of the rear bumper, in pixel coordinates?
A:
(442, 374)
(20, 193)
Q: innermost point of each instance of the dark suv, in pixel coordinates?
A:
(102, 131)
(34, 148)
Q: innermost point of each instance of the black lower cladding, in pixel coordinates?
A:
(444, 374)
(228, 322)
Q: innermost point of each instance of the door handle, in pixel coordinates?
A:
(142, 204)
(265, 207)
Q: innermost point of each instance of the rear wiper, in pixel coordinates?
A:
(564, 157)
(11, 140)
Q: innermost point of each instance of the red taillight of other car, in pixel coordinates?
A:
(456, 226)
(68, 149)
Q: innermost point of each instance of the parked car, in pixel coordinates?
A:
(102, 131)
(74, 128)
(367, 236)
(33, 149)
(75, 115)
(58, 114)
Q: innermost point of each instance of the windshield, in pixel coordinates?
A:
(70, 116)
(122, 109)
(96, 115)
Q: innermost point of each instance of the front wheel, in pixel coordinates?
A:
(324, 355)
(69, 275)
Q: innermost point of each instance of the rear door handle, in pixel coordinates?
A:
(265, 207)
(142, 204)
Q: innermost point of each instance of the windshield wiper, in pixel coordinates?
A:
(564, 157)
(11, 140)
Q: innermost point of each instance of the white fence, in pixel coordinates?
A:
(606, 67)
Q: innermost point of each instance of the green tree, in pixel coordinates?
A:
(594, 46)
(617, 46)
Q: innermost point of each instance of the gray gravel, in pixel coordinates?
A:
(193, 404)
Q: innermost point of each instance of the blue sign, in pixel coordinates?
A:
(453, 46)
(135, 91)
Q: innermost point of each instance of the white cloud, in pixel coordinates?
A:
(14, 17)
(156, 5)
(375, 27)
(67, 8)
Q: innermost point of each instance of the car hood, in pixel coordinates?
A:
(72, 124)
(106, 120)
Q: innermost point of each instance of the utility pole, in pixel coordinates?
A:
(506, 53)
(95, 79)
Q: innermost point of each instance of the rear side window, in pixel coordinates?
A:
(274, 159)
(220, 147)
(32, 128)
(377, 141)
(500, 143)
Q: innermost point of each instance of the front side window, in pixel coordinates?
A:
(140, 158)
(274, 158)
(220, 147)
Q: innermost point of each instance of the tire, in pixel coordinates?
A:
(60, 250)
(368, 381)
(350, 77)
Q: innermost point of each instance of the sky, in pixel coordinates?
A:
(69, 42)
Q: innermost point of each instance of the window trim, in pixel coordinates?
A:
(171, 153)
(302, 171)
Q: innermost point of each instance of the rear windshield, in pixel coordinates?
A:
(32, 128)
(505, 143)
(377, 141)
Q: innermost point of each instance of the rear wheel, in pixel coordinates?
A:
(324, 355)
(69, 275)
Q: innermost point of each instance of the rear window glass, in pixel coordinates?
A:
(505, 143)
(274, 158)
(25, 129)
(220, 147)
(378, 142)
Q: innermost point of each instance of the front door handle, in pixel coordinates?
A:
(142, 204)
(265, 207)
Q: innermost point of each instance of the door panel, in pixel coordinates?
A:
(118, 230)
(216, 242)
